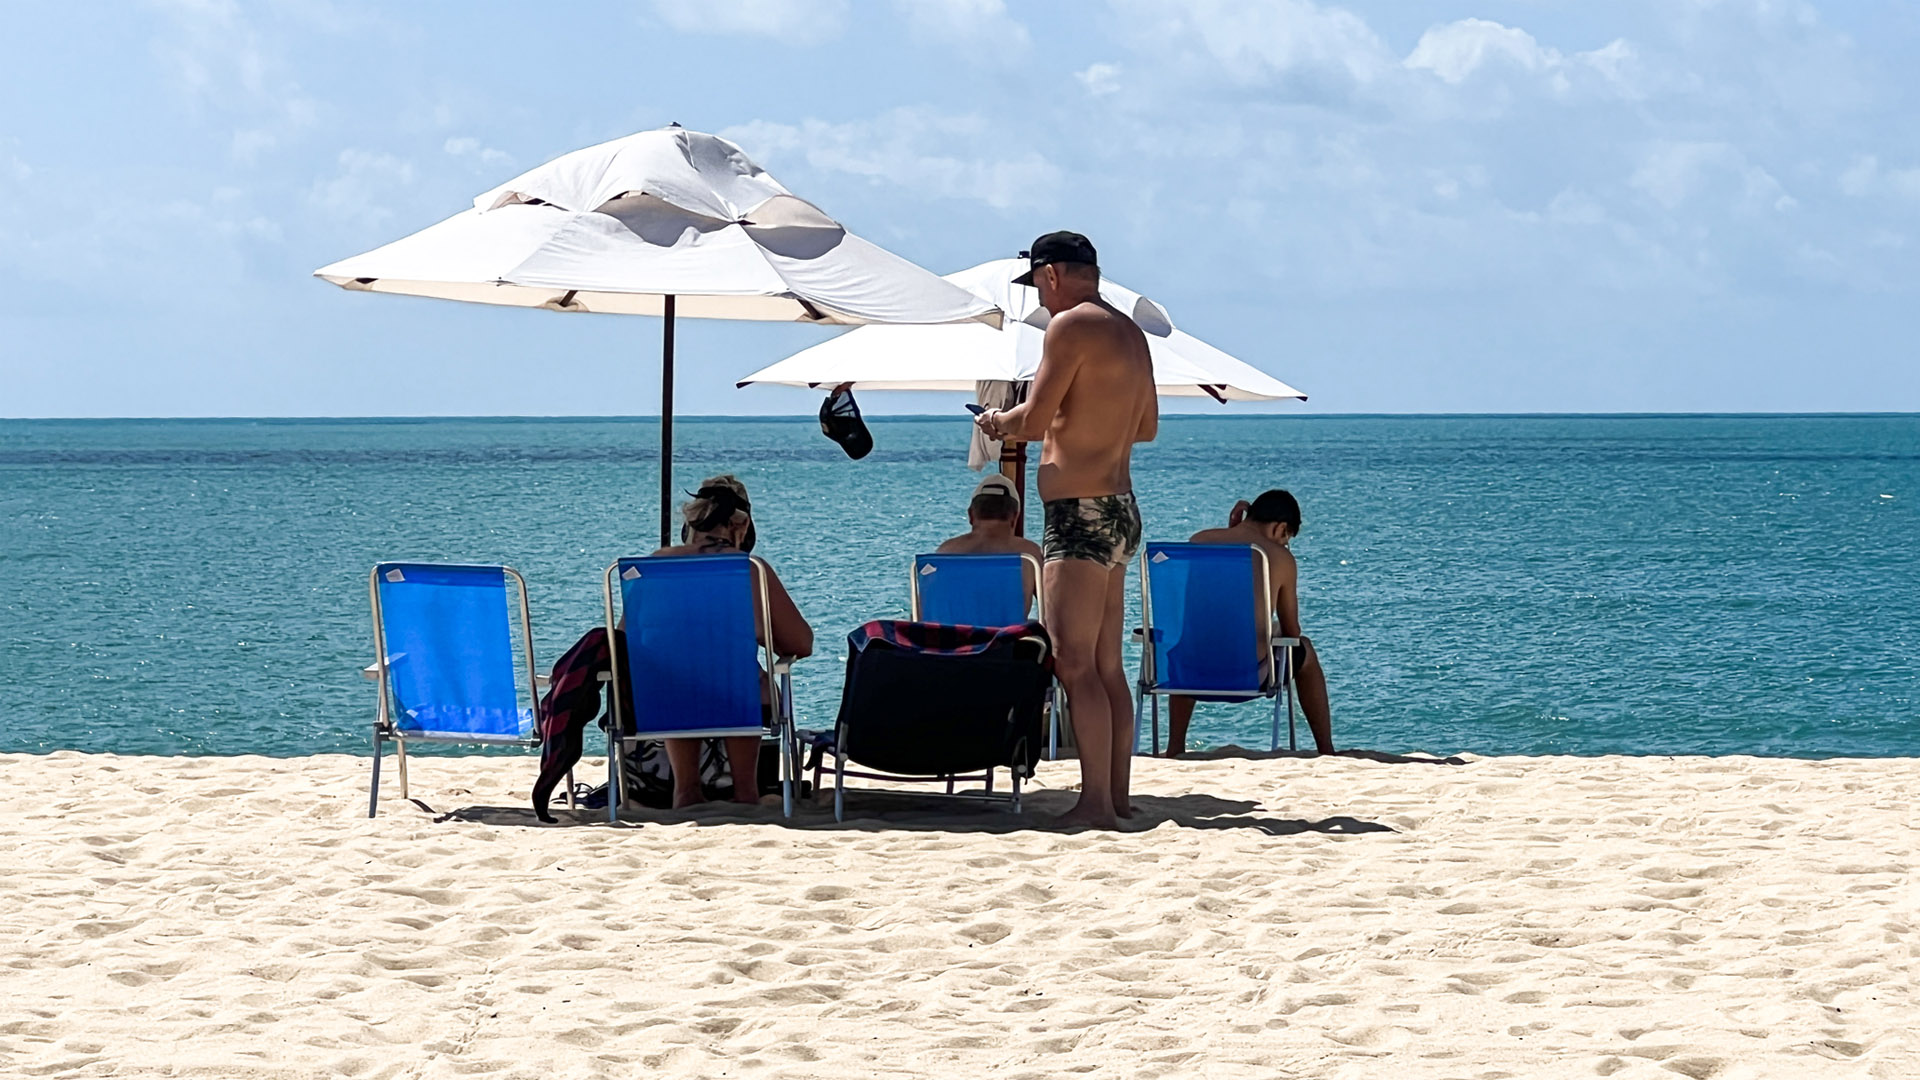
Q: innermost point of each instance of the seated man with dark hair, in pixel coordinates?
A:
(1269, 523)
(991, 515)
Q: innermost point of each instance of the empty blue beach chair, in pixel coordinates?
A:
(1209, 631)
(693, 658)
(983, 590)
(445, 663)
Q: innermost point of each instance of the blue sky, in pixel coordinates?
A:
(1399, 206)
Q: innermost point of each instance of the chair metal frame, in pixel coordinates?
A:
(386, 730)
(986, 794)
(1056, 698)
(777, 670)
(1277, 684)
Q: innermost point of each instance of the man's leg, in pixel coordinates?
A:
(684, 756)
(1076, 610)
(743, 757)
(1311, 683)
(1179, 715)
(1113, 679)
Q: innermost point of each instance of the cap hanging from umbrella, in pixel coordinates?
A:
(962, 356)
(997, 362)
(670, 223)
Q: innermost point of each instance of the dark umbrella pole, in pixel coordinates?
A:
(666, 427)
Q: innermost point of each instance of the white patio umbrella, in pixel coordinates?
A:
(994, 362)
(961, 357)
(670, 223)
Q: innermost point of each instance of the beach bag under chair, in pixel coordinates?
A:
(928, 703)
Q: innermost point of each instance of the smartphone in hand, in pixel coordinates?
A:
(976, 409)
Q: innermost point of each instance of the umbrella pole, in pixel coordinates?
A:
(1013, 465)
(666, 427)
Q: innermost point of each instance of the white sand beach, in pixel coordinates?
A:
(1623, 917)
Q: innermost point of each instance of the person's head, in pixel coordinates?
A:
(1063, 268)
(994, 502)
(720, 509)
(1277, 513)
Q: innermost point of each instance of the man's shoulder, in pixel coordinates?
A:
(956, 545)
(1214, 536)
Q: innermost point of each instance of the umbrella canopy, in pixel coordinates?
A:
(960, 357)
(668, 222)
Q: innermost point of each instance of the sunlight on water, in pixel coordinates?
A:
(1493, 585)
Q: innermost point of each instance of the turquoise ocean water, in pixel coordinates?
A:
(1499, 585)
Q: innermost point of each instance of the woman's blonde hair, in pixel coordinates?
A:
(721, 500)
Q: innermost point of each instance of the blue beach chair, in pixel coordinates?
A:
(693, 662)
(983, 590)
(445, 664)
(974, 590)
(1209, 632)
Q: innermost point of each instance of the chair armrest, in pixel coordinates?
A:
(603, 676)
(783, 665)
(541, 681)
(1281, 641)
(371, 672)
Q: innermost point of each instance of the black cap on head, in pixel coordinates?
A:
(1057, 247)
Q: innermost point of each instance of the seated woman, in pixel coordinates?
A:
(719, 521)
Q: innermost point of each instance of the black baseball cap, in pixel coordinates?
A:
(1057, 247)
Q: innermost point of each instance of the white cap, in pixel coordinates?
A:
(995, 483)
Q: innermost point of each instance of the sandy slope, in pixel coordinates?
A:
(1343, 918)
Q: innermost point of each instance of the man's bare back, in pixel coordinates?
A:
(1107, 404)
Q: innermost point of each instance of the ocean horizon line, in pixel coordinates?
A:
(1241, 417)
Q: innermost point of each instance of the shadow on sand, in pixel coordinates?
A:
(1238, 753)
(906, 810)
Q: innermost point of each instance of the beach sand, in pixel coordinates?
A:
(1271, 917)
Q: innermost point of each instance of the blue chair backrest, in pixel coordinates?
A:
(1206, 619)
(693, 660)
(449, 643)
(971, 590)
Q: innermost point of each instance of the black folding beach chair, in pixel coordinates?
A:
(926, 703)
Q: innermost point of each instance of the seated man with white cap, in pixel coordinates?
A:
(990, 516)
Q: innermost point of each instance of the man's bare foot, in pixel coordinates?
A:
(1088, 815)
(1123, 810)
(684, 799)
(747, 800)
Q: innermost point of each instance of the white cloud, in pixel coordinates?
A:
(466, 146)
(1100, 79)
(1257, 41)
(1866, 178)
(224, 65)
(358, 191)
(1672, 173)
(1456, 50)
(931, 154)
(804, 22)
(975, 25)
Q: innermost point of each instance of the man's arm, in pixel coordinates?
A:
(1286, 581)
(1059, 359)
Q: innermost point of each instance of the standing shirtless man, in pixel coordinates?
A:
(1092, 399)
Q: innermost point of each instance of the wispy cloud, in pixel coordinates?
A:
(360, 190)
(933, 155)
(979, 28)
(804, 22)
